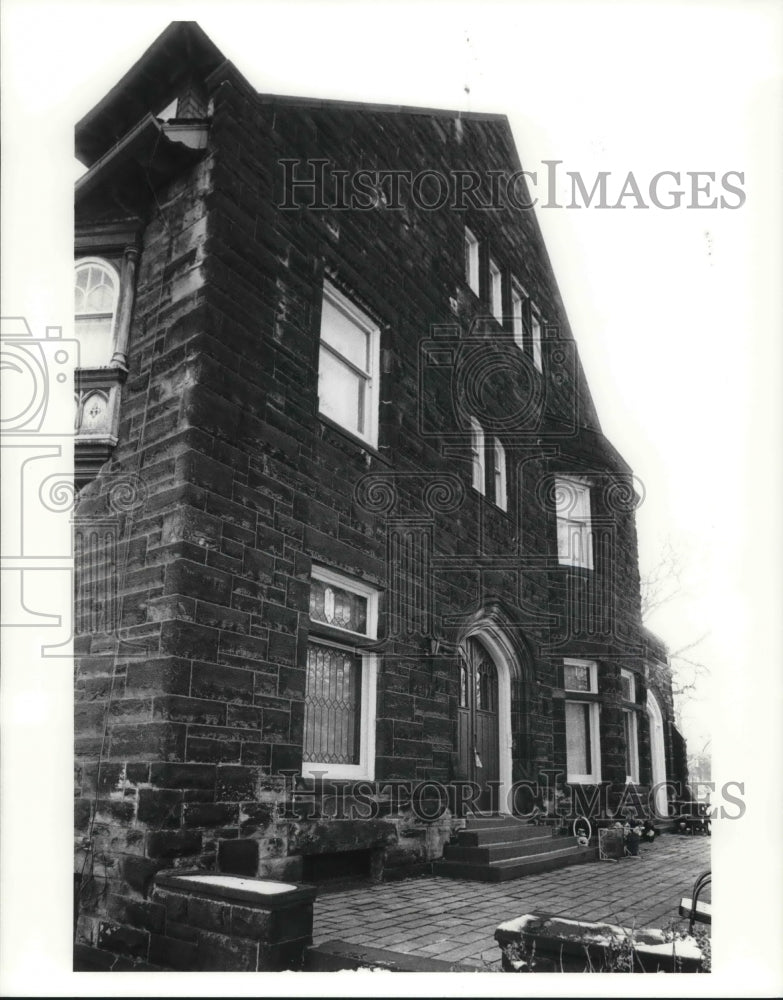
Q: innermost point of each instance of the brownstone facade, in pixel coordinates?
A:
(226, 491)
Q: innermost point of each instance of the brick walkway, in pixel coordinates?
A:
(455, 919)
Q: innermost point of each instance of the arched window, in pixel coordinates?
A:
(97, 289)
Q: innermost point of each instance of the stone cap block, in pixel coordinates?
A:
(266, 894)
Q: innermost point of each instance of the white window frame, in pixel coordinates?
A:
(495, 291)
(111, 270)
(518, 316)
(471, 261)
(371, 375)
(566, 526)
(535, 331)
(593, 722)
(366, 766)
(478, 474)
(500, 474)
(630, 715)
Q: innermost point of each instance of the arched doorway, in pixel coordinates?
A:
(657, 753)
(478, 717)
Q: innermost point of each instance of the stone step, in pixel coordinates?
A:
(512, 868)
(507, 849)
(502, 833)
(480, 821)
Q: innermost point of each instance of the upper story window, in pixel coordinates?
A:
(574, 537)
(500, 476)
(339, 722)
(583, 753)
(517, 315)
(472, 261)
(535, 331)
(477, 455)
(348, 366)
(630, 726)
(495, 291)
(97, 288)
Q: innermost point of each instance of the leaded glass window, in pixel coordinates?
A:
(577, 677)
(332, 705)
(338, 607)
(339, 717)
(486, 686)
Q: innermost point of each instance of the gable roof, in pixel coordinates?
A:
(182, 50)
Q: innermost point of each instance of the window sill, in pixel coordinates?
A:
(330, 633)
(585, 696)
(490, 503)
(360, 443)
(335, 772)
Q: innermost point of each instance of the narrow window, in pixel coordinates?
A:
(472, 261)
(517, 307)
(477, 455)
(535, 327)
(348, 366)
(499, 474)
(97, 288)
(630, 726)
(495, 291)
(574, 538)
(583, 755)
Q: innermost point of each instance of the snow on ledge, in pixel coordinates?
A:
(262, 888)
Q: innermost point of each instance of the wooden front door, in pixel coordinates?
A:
(478, 718)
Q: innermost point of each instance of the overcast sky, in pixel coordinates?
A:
(676, 313)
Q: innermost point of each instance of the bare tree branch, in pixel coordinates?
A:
(659, 587)
(663, 582)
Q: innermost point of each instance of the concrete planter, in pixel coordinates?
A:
(538, 942)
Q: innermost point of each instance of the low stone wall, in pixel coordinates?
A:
(219, 923)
